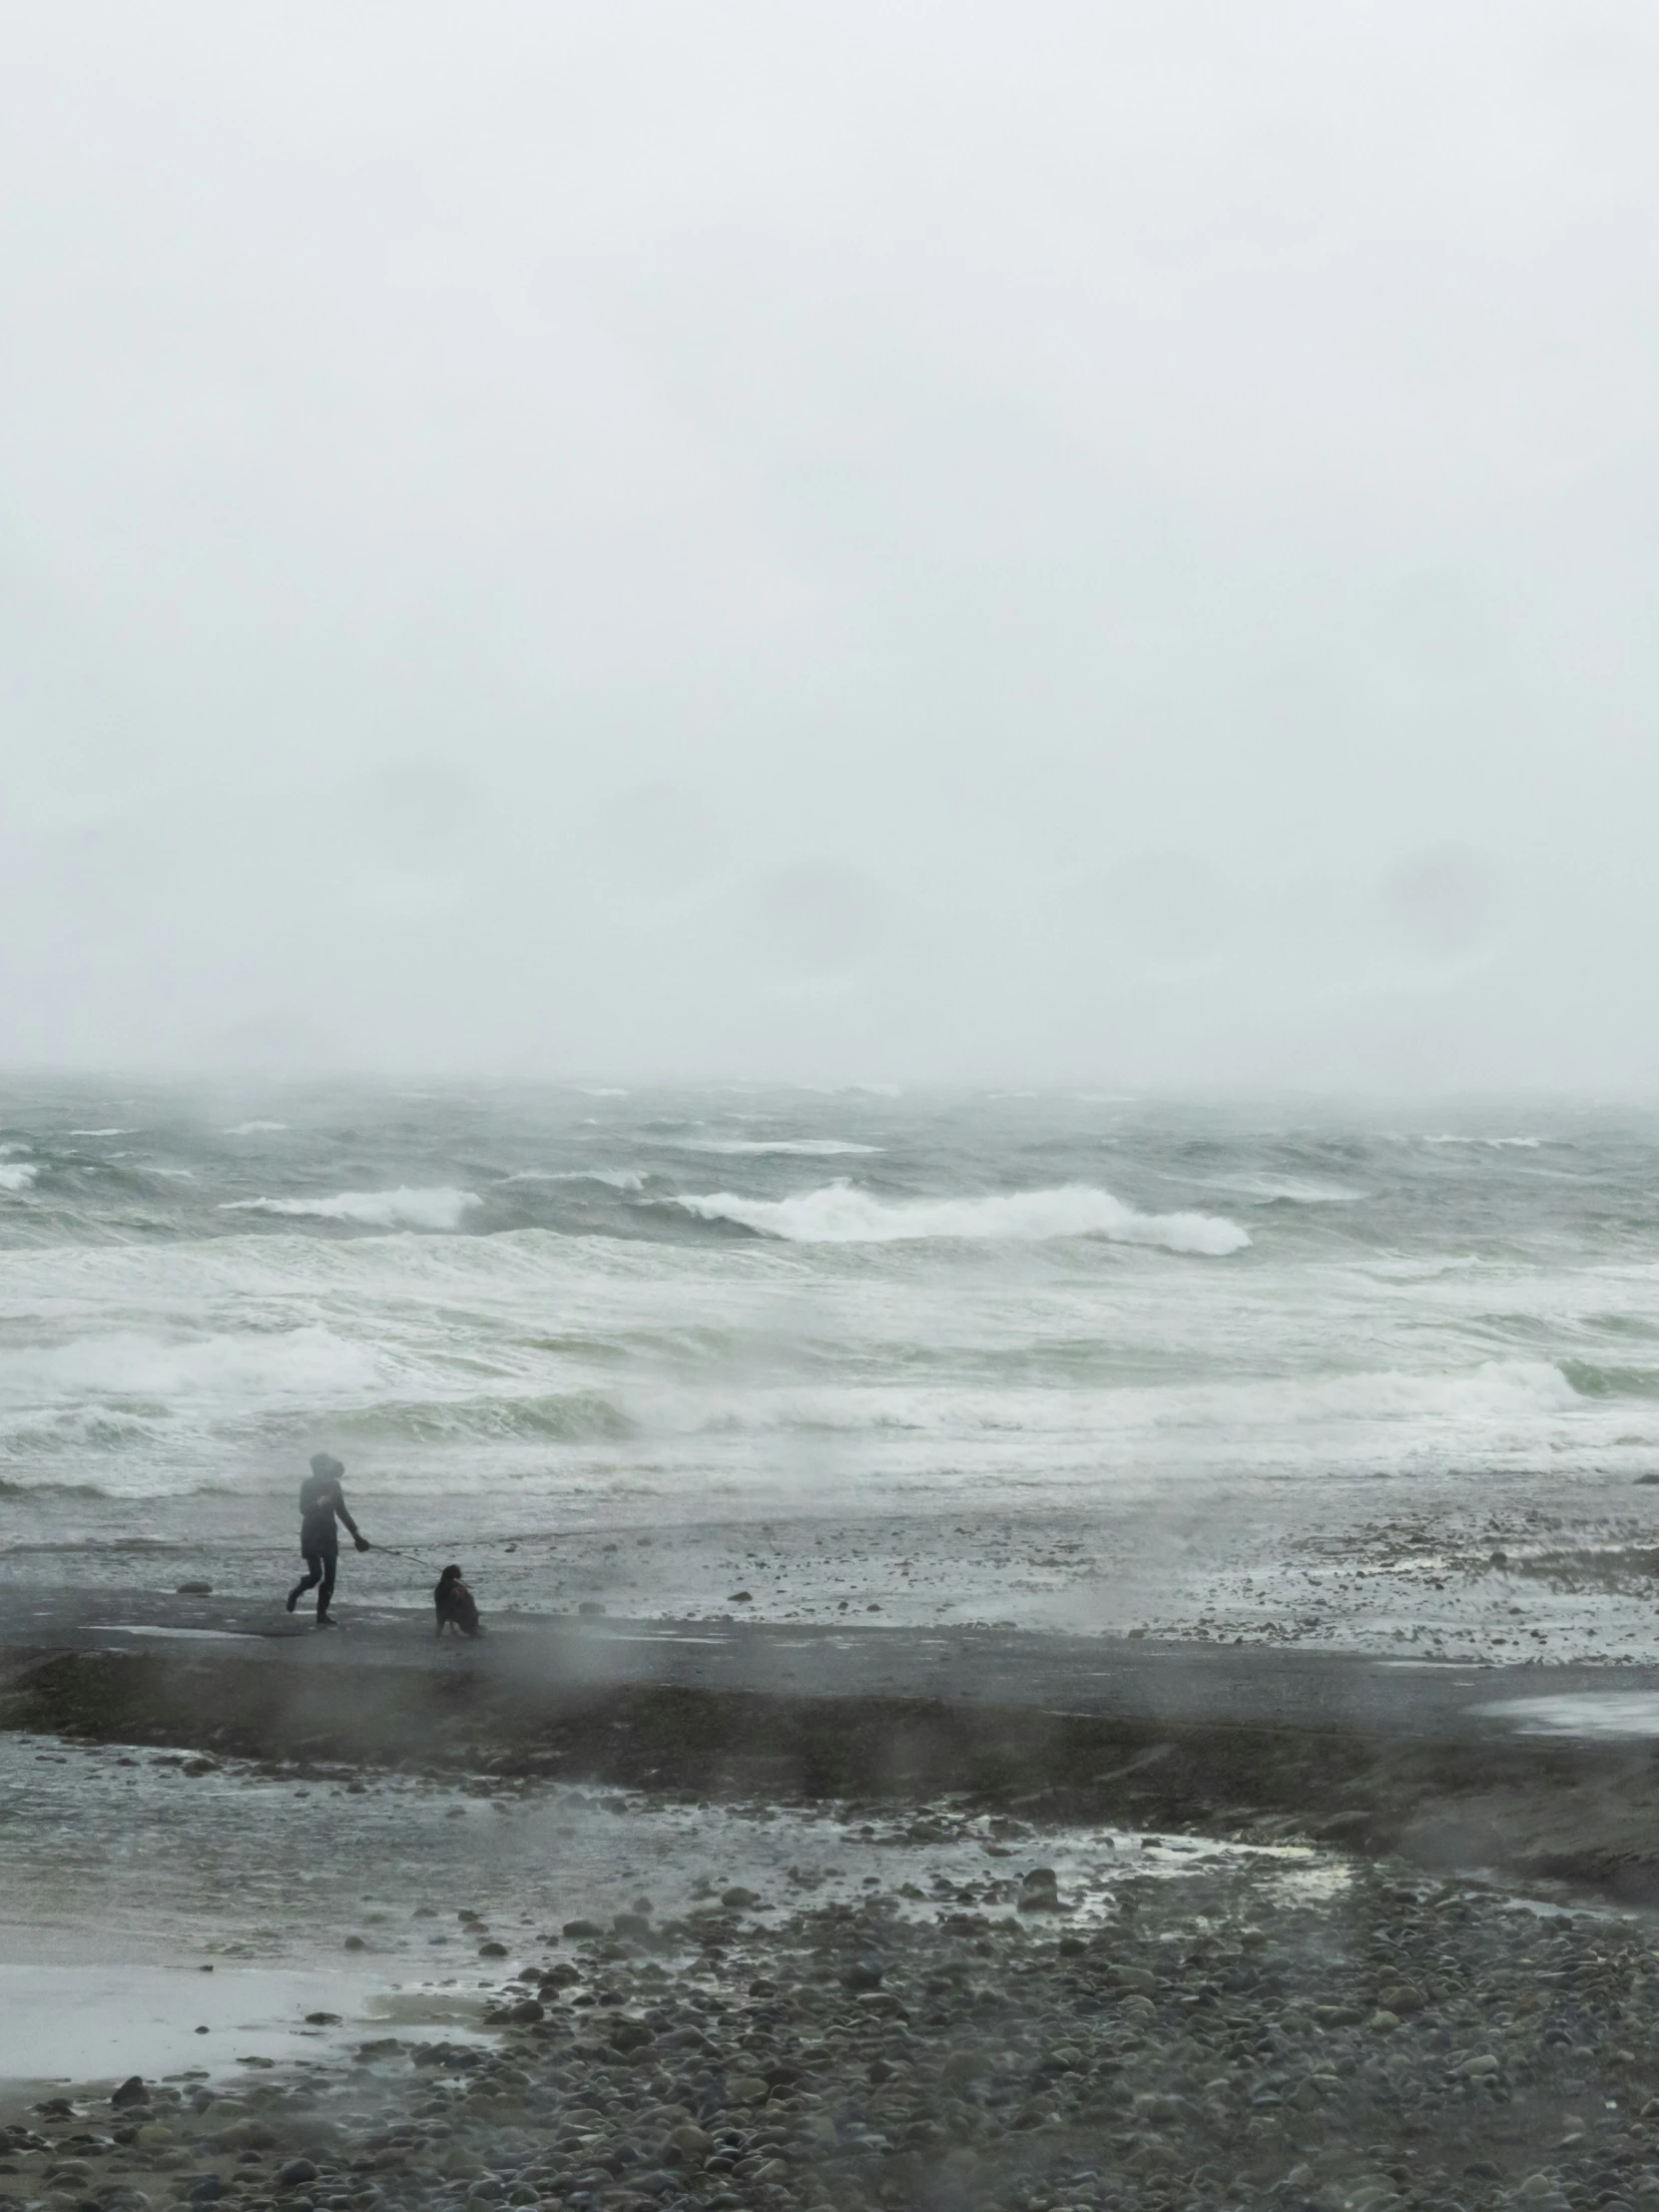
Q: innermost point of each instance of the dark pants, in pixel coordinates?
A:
(320, 1567)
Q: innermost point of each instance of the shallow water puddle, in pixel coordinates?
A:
(182, 1635)
(90, 2023)
(1581, 1713)
(129, 1873)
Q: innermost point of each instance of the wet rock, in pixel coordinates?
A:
(1040, 1892)
(1401, 2001)
(131, 2092)
(247, 2134)
(295, 2172)
(739, 1900)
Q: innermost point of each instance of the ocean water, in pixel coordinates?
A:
(515, 1314)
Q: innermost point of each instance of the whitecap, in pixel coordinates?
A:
(840, 1213)
(100, 1132)
(399, 1209)
(236, 1129)
(810, 1148)
(616, 1179)
(1289, 1190)
(17, 1175)
(1492, 1144)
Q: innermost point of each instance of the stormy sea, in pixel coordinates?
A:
(1051, 1359)
(755, 1856)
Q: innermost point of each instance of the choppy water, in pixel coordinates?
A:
(508, 1308)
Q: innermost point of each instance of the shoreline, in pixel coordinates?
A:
(1532, 1774)
(1532, 1568)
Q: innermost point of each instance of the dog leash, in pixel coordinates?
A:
(394, 1551)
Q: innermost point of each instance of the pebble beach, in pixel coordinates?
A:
(1282, 2030)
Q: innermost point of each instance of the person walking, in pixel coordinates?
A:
(322, 1506)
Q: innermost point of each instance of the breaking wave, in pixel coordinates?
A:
(840, 1213)
(574, 1417)
(236, 1129)
(17, 1175)
(399, 1209)
(1591, 1380)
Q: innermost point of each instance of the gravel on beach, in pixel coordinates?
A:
(1328, 2036)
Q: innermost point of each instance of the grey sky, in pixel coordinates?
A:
(1109, 542)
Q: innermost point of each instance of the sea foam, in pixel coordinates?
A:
(399, 1209)
(840, 1213)
(17, 1175)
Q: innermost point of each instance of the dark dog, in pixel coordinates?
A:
(454, 1604)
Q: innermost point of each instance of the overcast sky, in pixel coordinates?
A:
(867, 540)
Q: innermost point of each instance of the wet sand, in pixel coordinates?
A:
(629, 1914)
(1538, 1773)
(1533, 1567)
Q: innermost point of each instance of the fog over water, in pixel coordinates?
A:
(1060, 543)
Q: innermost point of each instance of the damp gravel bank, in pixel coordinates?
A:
(1259, 2032)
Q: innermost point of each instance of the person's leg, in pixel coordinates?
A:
(308, 1580)
(328, 1565)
